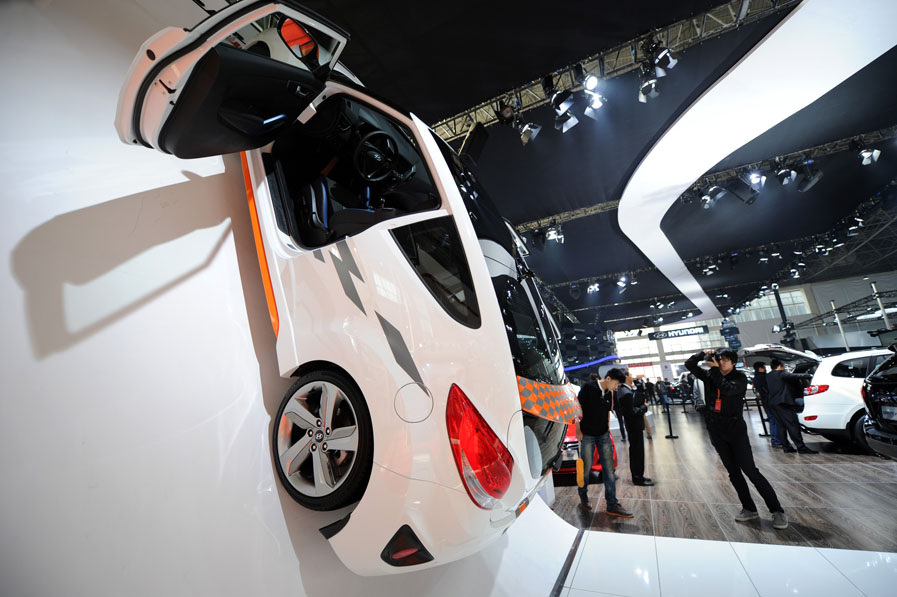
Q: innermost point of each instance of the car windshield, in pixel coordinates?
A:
(532, 334)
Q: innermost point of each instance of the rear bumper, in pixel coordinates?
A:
(881, 441)
(447, 523)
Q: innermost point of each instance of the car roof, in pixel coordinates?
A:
(856, 354)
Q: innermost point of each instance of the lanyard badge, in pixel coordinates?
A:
(719, 404)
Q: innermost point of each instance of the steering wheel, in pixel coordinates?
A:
(375, 156)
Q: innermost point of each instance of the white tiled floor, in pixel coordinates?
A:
(642, 565)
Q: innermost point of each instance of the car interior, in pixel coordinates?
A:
(346, 169)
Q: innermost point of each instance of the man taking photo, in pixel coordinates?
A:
(596, 399)
(633, 408)
(724, 390)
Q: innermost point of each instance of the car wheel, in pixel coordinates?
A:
(858, 434)
(323, 441)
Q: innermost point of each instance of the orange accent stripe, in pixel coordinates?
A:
(259, 245)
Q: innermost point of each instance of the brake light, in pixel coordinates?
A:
(813, 390)
(811, 418)
(483, 462)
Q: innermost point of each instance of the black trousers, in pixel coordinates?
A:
(729, 436)
(620, 420)
(636, 447)
(786, 422)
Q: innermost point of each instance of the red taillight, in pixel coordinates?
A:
(813, 390)
(811, 418)
(863, 393)
(483, 462)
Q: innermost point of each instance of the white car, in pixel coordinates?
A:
(429, 391)
(833, 403)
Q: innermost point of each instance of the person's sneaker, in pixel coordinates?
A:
(618, 510)
(779, 521)
(806, 450)
(746, 515)
(584, 502)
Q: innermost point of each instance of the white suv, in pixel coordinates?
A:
(833, 402)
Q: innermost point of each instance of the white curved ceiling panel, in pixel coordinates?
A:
(814, 49)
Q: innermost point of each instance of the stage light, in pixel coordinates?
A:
(647, 83)
(548, 85)
(539, 238)
(632, 279)
(590, 83)
(528, 132)
(812, 175)
(757, 180)
(763, 257)
(562, 101)
(622, 282)
(505, 113)
(595, 287)
(785, 175)
(869, 156)
(690, 314)
(575, 293)
(711, 196)
(555, 233)
(661, 57)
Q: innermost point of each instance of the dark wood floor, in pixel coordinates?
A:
(838, 498)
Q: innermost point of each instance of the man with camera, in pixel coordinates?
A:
(724, 390)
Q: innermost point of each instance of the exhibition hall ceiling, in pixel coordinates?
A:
(440, 59)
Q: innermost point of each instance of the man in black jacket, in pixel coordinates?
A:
(596, 399)
(633, 410)
(782, 402)
(724, 390)
(762, 392)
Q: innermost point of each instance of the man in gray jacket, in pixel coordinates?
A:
(782, 404)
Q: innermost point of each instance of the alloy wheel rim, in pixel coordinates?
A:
(317, 439)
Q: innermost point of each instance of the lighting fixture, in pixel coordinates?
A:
(785, 175)
(575, 292)
(562, 101)
(505, 112)
(763, 257)
(647, 83)
(632, 279)
(812, 175)
(660, 56)
(555, 233)
(869, 156)
(711, 196)
(539, 238)
(590, 83)
(528, 132)
(594, 287)
(756, 180)
(548, 85)
(690, 314)
(622, 281)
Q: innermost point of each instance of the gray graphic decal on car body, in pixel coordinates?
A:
(399, 349)
(345, 268)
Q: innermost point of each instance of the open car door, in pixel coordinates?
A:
(231, 83)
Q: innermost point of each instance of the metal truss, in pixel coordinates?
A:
(851, 311)
(705, 181)
(616, 61)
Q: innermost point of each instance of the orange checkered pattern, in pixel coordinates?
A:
(555, 403)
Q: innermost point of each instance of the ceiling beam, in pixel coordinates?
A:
(614, 61)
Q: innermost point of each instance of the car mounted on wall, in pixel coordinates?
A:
(429, 386)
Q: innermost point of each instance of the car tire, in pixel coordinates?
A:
(314, 472)
(858, 434)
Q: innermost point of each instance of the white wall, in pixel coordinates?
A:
(138, 372)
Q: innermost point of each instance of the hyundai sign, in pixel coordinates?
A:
(701, 329)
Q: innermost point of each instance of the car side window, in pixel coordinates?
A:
(878, 360)
(434, 249)
(851, 368)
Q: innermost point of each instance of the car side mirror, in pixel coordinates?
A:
(298, 40)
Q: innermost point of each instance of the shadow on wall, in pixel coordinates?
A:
(86, 256)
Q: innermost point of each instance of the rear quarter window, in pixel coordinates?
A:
(434, 249)
(851, 368)
(887, 370)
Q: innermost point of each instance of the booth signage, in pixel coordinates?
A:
(701, 329)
